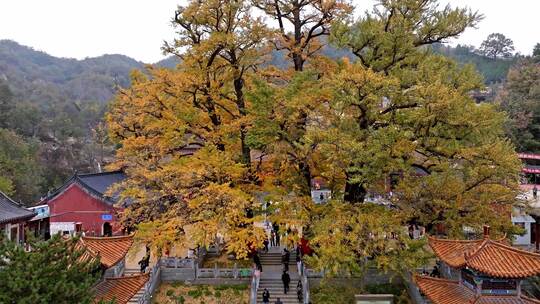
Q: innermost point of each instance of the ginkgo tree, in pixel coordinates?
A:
(201, 106)
(207, 143)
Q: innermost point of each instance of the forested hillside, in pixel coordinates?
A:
(493, 70)
(50, 113)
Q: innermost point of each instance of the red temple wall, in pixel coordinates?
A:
(75, 204)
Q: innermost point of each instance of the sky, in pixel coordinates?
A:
(137, 28)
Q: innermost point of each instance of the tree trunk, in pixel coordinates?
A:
(306, 173)
(240, 103)
(297, 53)
(355, 193)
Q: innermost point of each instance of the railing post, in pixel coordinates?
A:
(235, 271)
(253, 291)
(305, 283)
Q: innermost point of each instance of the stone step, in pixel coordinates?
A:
(284, 299)
(131, 271)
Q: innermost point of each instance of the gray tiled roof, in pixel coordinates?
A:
(102, 181)
(10, 211)
(96, 183)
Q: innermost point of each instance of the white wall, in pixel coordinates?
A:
(524, 239)
(56, 227)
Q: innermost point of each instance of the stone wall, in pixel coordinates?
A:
(372, 277)
(177, 274)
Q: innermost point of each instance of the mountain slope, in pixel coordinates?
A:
(39, 77)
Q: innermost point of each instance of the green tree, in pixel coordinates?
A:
(390, 41)
(19, 168)
(7, 103)
(497, 45)
(536, 50)
(520, 98)
(52, 272)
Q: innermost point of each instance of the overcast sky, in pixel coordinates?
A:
(137, 28)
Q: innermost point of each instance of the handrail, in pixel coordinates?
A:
(150, 285)
(305, 284)
(253, 291)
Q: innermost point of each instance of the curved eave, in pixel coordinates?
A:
(502, 261)
(452, 252)
(18, 218)
(86, 241)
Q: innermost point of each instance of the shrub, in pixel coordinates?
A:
(197, 293)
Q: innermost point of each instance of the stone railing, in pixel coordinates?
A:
(223, 273)
(178, 269)
(172, 262)
(253, 291)
(305, 283)
(150, 287)
(312, 273)
(412, 289)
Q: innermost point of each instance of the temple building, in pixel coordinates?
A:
(530, 170)
(13, 219)
(84, 205)
(479, 271)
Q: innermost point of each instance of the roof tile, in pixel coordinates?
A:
(110, 249)
(443, 291)
(11, 211)
(503, 261)
(488, 256)
(120, 289)
(452, 252)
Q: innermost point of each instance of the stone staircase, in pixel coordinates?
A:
(131, 271)
(271, 277)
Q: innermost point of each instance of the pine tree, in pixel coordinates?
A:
(51, 272)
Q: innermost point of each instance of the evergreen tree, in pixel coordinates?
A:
(51, 272)
(20, 172)
(7, 103)
(520, 98)
(497, 45)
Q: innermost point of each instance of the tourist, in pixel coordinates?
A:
(535, 192)
(276, 230)
(435, 272)
(286, 279)
(265, 243)
(278, 301)
(299, 291)
(285, 256)
(266, 296)
(257, 261)
(143, 263)
(272, 238)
